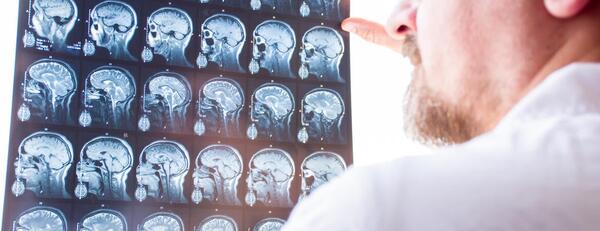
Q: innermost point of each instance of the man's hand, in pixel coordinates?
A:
(372, 32)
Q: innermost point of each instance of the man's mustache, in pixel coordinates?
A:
(410, 49)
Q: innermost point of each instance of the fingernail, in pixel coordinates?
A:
(349, 27)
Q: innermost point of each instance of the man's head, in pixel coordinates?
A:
(475, 59)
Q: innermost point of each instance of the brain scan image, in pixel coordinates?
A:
(321, 53)
(321, 117)
(279, 6)
(269, 224)
(270, 177)
(319, 168)
(168, 33)
(52, 21)
(218, 170)
(42, 165)
(329, 9)
(107, 96)
(271, 112)
(103, 220)
(272, 48)
(41, 218)
(162, 221)
(112, 25)
(161, 172)
(217, 223)
(104, 163)
(48, 89)
(218, 108)
(165, 102)
(223, 37)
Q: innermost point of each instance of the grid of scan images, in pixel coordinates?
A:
(175, 115)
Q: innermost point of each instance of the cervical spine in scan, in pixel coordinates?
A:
(168, 34)
(272, 48)
(321, 116)
(328, 9)
(48, 89)
(107, 97)
(223, 38)
(42, 164)
(111, 26)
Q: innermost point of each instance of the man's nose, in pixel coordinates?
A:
(403, 19)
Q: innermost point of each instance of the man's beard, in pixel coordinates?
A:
(428, 118)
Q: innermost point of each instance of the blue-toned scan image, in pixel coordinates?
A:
(52, 26)
(321, 118)
(272, 107)
(219, 107)
(223, 38)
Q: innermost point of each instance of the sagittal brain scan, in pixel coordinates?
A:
(319, 168)
(168, 34)
(175, 114)
(162, 221)
(272, 48)
(111, 25)
(321, 117)
(42, 165)
(48, 90)
(52, 21)
(218, 171)
(103, 220)
(107, 96)
(223, 37)
(280, 6)
(321, 53)
(104, 164)
(329, 9)
(41, 218)
(218, 109)
(270, 177)
(269, 224)
(161, 172)
(217, 223)
(271, 112)
(165, 102)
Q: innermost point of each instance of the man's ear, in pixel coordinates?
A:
(565, 8)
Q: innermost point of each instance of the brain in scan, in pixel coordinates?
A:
(168, 155)
(218, 223)
(61, 10)
(114, 14)
(276, 162)
(225, 28)
(277, 98)
(325, 41)
(226, 94)
(321, 167)
(324, 102)
(162, 222)
(57, 76)
(115, 82)
(276, 35)
(114, 152)
(223, 159)
(269, 224)
(173, 90)
(104, 220)
(171, 22)
(41, 218)
(54, 149)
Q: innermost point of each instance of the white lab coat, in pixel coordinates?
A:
(539, 169)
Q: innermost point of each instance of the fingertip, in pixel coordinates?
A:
(348, 25)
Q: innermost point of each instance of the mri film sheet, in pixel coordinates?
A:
(175, 115)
